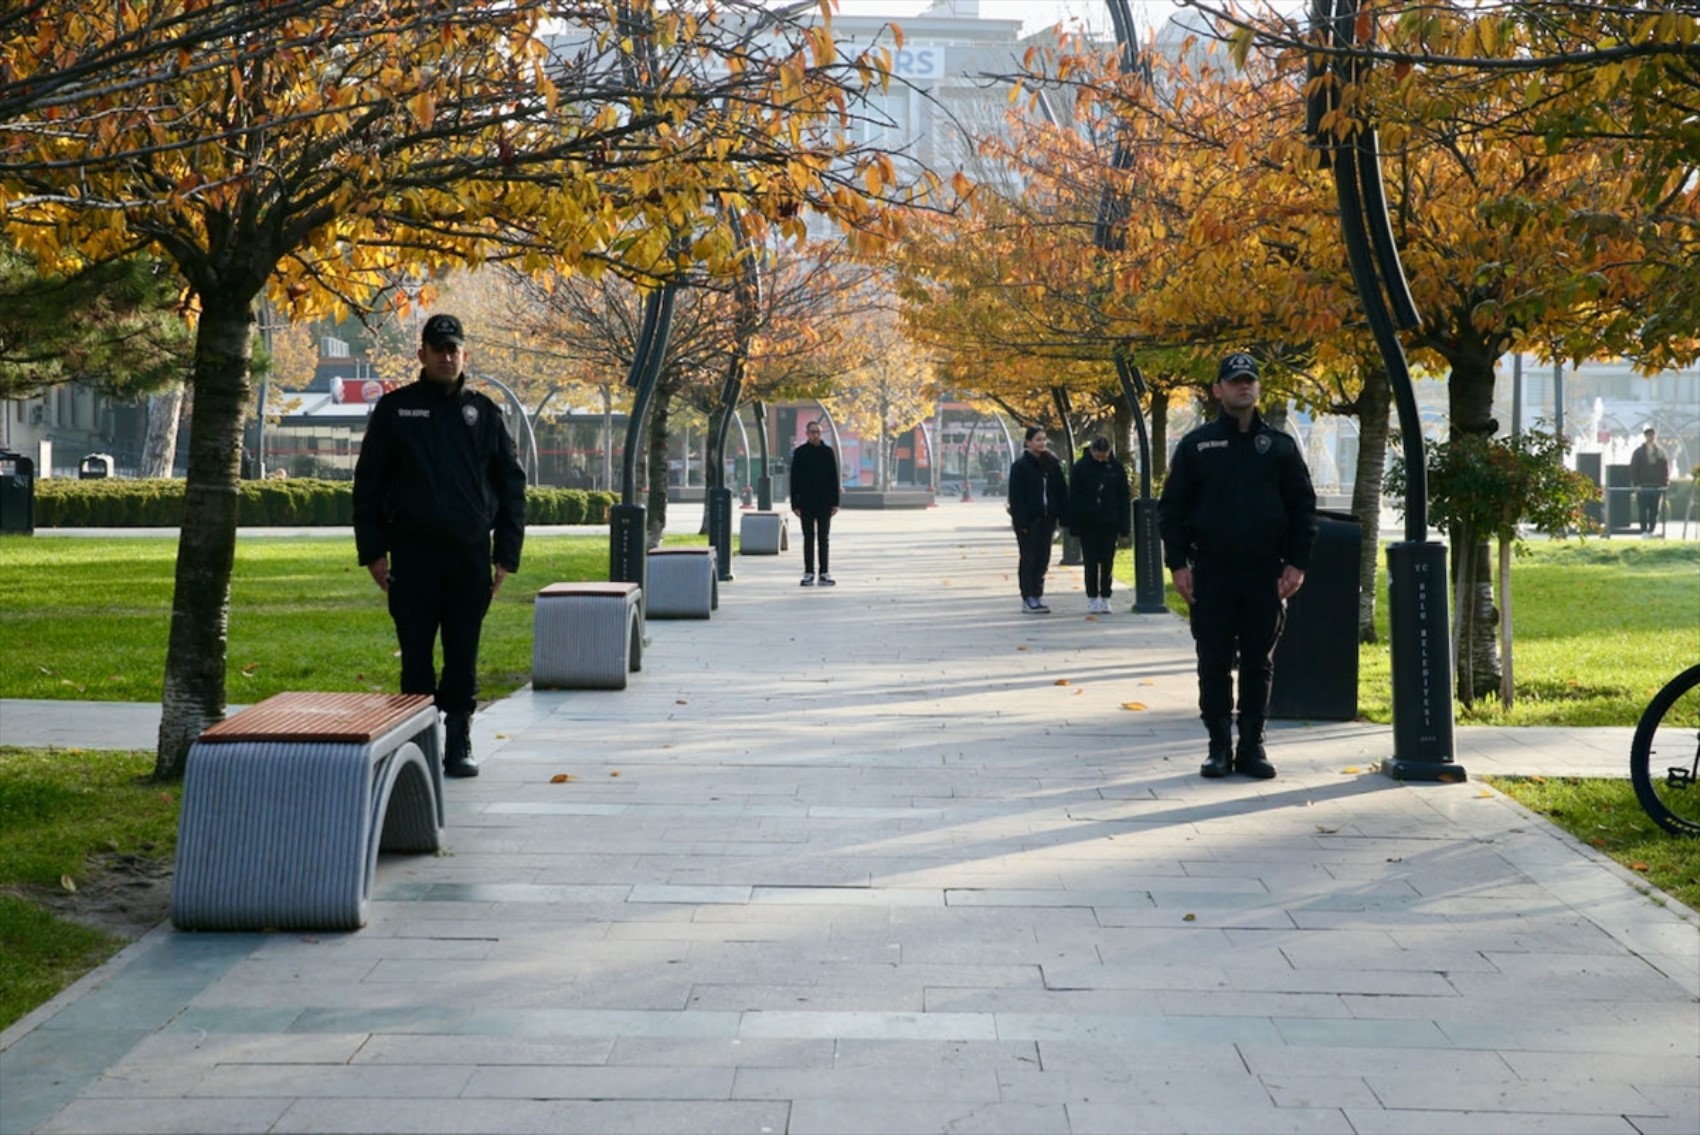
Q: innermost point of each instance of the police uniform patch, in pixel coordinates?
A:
(1261, 443)
(470, 413)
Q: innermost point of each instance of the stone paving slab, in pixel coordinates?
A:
(894, 857)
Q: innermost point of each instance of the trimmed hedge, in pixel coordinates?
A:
(290, 501)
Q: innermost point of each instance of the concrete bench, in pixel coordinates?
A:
(586, 636)
(287, 804)
(763, 534)
(684, 583)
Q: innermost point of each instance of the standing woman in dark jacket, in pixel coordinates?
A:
(1038, 500)
(1099, 513)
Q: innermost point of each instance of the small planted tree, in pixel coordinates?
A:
(1498, 488)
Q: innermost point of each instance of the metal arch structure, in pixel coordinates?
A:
(528, 435)
(1147, 549)
(1423, 746)
(628, 541)
(746, 295)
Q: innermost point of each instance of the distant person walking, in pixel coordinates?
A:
(1238, 518)
(437, 477)
(1099, 504)
(816, 490)
(1649, 472)
(1038, 500)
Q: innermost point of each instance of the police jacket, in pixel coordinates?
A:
(438, 464)
(1098, 496)
(814, 478)
(1237, 499)
(1037, 492)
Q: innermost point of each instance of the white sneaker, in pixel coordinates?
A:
(808, 579)
(827, 581)
(1104, 607)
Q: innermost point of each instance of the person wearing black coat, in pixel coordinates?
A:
(1099, 515)
(439, 520)
(1238, 518)
(815, 495)
(1037, 503)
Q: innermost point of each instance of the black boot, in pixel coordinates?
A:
(1250, 759)
(1220, 762)
(457, 757)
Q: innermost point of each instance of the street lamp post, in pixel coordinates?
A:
(1416, 566)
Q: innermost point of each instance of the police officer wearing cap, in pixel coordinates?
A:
(439, 519)
(1238, 520)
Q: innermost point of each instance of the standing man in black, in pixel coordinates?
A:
(436, 478)
(1238, 518)
(815, 493)
(1649, 472)
(1038, 502)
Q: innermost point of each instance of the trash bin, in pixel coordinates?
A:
(95, 467)
(17, 493)
(1316, 661)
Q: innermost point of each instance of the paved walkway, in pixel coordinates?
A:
(894, 857)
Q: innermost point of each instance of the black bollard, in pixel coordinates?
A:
(1422, 664)
(720, 530)
(1147, 559)
(628, 545)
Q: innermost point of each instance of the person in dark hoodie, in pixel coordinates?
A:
(1099, 514)
(815, 494)
(1038, 501)
(436, 479)
(1238, 519)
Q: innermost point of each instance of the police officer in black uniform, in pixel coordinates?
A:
(1238, 519)
(437, 476)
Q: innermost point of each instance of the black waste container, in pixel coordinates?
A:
(17, 493)
(1316, 661)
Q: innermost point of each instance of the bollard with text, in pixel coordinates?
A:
(720, 531)
(628, 550)
(1147, 559)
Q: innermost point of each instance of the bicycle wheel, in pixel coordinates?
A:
(1664, 761)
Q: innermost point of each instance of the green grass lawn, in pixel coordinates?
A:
(61, 812)
(1598, 626)
(88, 618)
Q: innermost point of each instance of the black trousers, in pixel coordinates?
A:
(1237, 615)
(817, 529)
(1098, 550)
(444, 589)
(1648, 500)
(1035, 549)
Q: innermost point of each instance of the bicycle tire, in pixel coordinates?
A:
(1653, 787)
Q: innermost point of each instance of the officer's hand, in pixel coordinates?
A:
(380, 569)
(1183, 582)
(1291, 580)
(496, 581)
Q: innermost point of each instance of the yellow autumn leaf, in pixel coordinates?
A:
(560, 778)
(1062, 681)
(1351, 768)
(1135, 706)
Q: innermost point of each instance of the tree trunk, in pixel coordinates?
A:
(660, 413)
(159, 446)
(1507, 689)
(206, 545)
(1159, 438)
(1469, 394)
(1374, 404)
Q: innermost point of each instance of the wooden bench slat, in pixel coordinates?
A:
(555, 590)
(306, 716)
